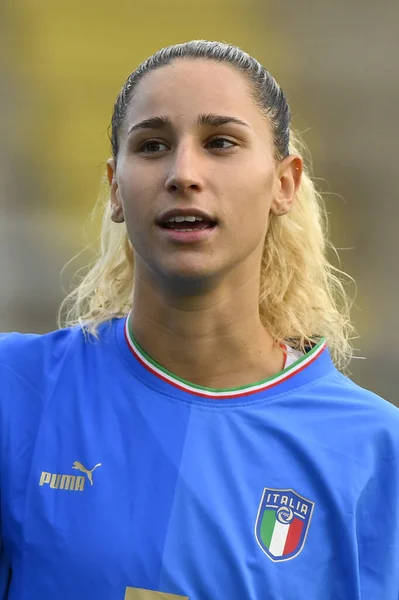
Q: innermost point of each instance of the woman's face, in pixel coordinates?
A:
(194, 143)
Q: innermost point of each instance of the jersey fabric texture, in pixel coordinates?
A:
(121, 481)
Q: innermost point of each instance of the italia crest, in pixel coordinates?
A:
(282, 523)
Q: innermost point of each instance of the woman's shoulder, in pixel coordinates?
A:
(365, 397)
(26, 354)
(365, 409)
(16, 349)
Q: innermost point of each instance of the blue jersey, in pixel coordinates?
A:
(121, 481)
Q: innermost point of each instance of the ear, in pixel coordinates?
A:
(116, 204)
(289, 176)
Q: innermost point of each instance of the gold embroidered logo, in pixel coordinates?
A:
(75, 483)
(79, 467)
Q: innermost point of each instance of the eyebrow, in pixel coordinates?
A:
(209, 119)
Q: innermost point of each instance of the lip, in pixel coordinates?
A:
(185, 212)
(187, 237)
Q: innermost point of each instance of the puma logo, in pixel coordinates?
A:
(79, 467)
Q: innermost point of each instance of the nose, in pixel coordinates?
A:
(185, 171)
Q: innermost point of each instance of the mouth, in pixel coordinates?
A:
(186, 224)
(187, 231)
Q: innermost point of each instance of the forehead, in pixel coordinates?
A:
(189, 87)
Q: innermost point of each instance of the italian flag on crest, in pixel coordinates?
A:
(282, 523)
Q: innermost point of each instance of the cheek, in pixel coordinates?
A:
(135, 198)
(252, 227)
(250, 203)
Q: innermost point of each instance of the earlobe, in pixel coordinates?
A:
(279, 209)
(117, 215)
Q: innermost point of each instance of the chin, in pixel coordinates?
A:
(187, 281)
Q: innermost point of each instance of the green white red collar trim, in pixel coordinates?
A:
(156, 369)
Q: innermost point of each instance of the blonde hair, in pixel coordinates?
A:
(302, 297)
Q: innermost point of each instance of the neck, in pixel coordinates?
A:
(214, 340)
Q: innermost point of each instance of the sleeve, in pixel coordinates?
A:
(25, 369)
(11, 355)
(377, 519)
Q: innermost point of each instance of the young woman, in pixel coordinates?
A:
(188, 432)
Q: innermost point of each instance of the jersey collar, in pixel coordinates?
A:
(312, 365)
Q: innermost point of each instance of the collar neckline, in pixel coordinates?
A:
(312, 365)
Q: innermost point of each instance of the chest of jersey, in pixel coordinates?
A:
(131, 490)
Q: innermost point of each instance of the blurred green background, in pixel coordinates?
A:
(62, 65)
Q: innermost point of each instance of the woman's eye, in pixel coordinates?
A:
(222, 143)
(152, 147)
